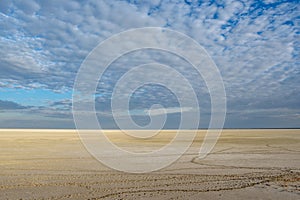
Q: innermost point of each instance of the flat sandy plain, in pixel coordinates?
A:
(245, 164)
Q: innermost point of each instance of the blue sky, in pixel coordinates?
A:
(255, 45)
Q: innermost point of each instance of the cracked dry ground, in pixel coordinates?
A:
(245, 164)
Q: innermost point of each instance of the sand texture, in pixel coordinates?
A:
(245, 164)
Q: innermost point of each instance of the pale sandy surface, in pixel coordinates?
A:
(245, 164)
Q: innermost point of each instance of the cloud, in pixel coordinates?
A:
(10, 105)
(254, 44)
(162, 111)
(152, 112)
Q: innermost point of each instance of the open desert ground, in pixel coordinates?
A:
(245, 164)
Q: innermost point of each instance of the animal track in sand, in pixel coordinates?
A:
(128, 185)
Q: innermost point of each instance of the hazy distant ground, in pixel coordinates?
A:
(245, 164)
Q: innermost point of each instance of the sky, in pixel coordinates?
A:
(254, 44)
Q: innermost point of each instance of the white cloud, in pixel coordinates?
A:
(163, 111)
